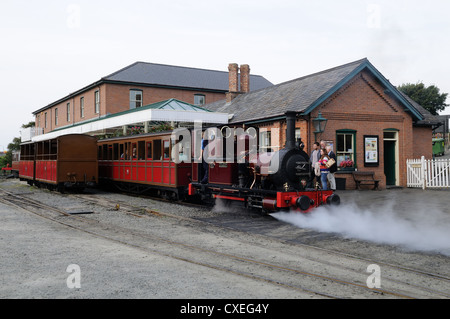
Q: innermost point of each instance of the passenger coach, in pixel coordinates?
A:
(143, 163)
(64, 162)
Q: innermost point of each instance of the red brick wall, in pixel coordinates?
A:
(75, 116)
(118, 96)
(363, 106)
(114, 98)
(422, 140)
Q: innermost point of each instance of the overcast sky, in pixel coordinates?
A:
(52, 48)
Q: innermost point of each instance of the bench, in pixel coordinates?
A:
(366, 178)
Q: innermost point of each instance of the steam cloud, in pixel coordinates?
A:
(419, 230)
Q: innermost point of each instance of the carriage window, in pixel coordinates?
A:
(115, 151)
(127, 154)
(99, 153)
(141, 150)
(121, 152)
(149, 150)
(134, 150)
(110, 152)
(166, 150)
(105, 152)
(157, 150)
(53, 150)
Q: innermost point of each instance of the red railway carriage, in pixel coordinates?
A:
(68, 161)
(143, 163)
(27, 162)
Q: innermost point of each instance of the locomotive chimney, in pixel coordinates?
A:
(290, 129)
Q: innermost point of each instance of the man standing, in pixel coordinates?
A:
(314, 158)
(333, 168)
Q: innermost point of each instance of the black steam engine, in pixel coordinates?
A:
(268, 182)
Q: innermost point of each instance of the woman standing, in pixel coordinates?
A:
(324, 170)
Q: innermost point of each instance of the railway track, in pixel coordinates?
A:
(302, 268)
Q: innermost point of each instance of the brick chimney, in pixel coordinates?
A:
(234, 89)
(233, 72)
(245, 78)
(233, 81)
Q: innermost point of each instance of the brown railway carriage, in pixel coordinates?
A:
(143, 163)
(68, 161)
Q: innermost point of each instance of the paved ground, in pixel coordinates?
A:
(402, 226)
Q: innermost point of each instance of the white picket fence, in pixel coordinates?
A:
(423, 173)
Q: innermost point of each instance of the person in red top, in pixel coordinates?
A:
(324, 170)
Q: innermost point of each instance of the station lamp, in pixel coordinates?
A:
(319, 125)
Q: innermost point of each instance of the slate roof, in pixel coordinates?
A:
(177, 76)
(302, 95)
(161, 75)
(428, 118)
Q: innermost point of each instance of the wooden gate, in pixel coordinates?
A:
(423, 173)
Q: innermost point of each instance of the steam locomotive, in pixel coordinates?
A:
(279, 183)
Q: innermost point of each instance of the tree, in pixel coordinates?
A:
(428, 97)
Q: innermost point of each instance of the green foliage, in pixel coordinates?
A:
(428, 97)
(7, 159)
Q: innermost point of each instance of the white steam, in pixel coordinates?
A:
(421, 229)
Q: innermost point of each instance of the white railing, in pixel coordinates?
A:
(26, 134)
(423, 173)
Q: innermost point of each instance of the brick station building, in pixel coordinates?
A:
(370, 124)
(137, 85)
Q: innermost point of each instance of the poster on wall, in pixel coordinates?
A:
(371, 150)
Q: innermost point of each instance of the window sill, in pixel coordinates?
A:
(345, 170)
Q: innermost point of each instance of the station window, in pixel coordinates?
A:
(97, 102)
(266, 141)
(135, 99)
(56, 116)
(345, 148)
(82, 107)
(68, 112)
(199, 99)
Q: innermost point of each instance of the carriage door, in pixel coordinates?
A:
(391, 170)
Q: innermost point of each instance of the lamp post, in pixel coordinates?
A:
(319, 125)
